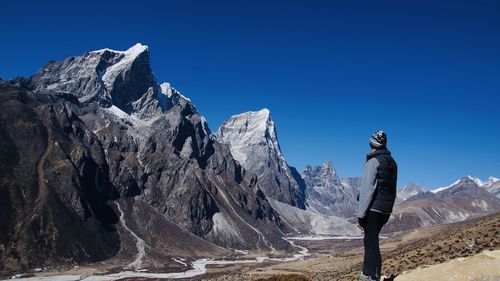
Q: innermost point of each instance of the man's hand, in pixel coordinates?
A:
(362, 222)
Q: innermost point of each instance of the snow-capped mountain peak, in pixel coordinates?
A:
(108, 76)
(166, 89)
(173, 95)
(123, 64)
(248, 129)
(328, 166)
(476, 180)
(136, 49)
(253, 142)
(445, 187)
(409, 190)
(465, 180)
(490, 181)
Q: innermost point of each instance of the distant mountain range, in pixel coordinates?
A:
(464, 199)
(416, 206)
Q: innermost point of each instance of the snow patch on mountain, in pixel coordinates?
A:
(491, 181)
(172, 93)
(481, 204)
(224, 229)
(445, 187)
(124, 63)
(408, 191)
(483, 184)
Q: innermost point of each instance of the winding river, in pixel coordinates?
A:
(199, 267)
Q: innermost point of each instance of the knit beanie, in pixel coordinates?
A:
(378, 139)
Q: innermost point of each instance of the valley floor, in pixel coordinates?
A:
(464, 248)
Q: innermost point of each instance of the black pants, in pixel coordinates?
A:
(372, 264)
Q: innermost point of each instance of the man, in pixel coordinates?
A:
(376, 199)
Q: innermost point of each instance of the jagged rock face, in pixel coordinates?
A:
(253, 142)
(54, 185)
(327, 194)
(107, 76)
(113, 134)
(462, 200)
(408, 191)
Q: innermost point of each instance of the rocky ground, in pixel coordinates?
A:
(423, 248)
(470, 250)
(481, 267)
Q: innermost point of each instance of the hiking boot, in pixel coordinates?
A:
(363, 276)
(390, 278)
(367, 277)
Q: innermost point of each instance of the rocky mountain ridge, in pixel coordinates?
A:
(101, 130)
(415, 207)
(462, 200)
(327, 193)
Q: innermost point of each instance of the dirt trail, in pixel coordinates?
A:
(481, 267)
(42, 184)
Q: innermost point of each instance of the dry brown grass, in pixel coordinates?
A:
(287, 277)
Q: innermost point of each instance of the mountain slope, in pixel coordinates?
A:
(54, 185)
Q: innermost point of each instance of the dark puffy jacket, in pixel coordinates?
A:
(386, 180)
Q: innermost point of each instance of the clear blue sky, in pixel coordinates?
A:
(331, 72)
